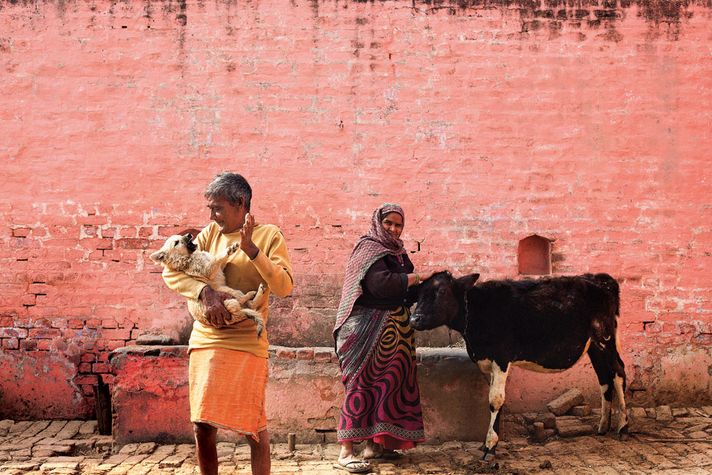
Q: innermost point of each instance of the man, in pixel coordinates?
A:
(228, 364)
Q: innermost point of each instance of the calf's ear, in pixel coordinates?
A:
(468, 281)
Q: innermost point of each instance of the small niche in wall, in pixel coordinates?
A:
(534, 255)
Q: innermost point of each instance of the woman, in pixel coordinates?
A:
(374, 342)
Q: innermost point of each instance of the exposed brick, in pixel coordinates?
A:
(44, 345)
(38, 333)
(287, 353)
(305, 354)
(10, 343)
(21, 232)
(13, 333)
(101, 368)
(89, 379)
(566, 401)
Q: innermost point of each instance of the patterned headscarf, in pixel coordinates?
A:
(371, 247)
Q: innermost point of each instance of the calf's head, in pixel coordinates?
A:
(441, 301)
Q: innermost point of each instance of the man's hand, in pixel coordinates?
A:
(246, 243)
(215, 311)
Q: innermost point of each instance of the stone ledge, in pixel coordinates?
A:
(304, 393)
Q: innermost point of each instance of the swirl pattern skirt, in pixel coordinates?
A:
(377, 357)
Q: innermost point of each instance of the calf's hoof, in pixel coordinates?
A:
(488, 455)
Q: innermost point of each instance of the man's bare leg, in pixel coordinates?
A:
(259, 453)
(206, 448)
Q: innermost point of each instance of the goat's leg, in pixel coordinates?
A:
(498, 381)
(219, 261)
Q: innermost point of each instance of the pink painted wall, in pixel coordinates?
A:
(586, 122)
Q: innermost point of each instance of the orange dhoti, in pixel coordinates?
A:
(227, 389)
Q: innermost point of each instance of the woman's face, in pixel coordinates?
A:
(393, 224)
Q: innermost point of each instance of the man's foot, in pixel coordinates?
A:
(353, 465)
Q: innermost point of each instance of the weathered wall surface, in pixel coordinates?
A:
(584, 121)
(304, 395)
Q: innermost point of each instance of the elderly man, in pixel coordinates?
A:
(228, 364)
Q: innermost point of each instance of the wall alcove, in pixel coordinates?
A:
(534, 255)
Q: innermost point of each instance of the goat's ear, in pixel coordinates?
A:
(158, 257)
(468, 281)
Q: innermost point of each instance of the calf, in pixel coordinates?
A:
(542, 325)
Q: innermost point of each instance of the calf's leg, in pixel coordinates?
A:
(611, 376)
(605, 379)
(619, 383)
(498, 381)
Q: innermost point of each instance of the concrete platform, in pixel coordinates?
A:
(304, 393)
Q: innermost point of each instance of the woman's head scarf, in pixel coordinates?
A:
(371, 247)
(390, 243)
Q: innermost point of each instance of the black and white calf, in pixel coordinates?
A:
(542, 325)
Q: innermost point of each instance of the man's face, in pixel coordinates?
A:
(229, 217)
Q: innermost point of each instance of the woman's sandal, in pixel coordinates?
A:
(353, 465)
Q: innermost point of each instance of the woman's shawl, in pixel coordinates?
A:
(369, 248)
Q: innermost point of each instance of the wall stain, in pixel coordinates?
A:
(535, 14)
(549, 16)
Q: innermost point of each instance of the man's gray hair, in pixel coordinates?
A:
(232, 187)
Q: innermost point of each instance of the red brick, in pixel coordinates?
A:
(28, 345)
(44, 345)
(132, 243)
(86, 379)
(145, 231)
(38, 333)
(21, 232)
(101, 368)
(10, 343)
(114, 344)
(87, 389)
(13, 333)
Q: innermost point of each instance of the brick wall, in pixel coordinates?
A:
(586, 122)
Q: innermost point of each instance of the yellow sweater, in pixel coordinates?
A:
(271, 267)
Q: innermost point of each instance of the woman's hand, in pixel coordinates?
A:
(419, 277)
(215, 311)
(427, 275)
